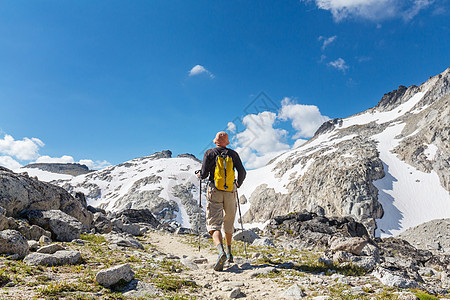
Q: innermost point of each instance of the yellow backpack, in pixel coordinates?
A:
(224, 173)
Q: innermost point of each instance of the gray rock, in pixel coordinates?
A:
(262, 271)
(123, 240)
(64, 228)
(19, 193)
(293, 292)
(50, 249)
(117, 223)
(34, 232)
(189, 263)
(235, 293)
(101, 223)
(140, 289)
(44, 240)
(263, 242)
(352, 245)
(133, 229)
(13, 243)
(113, 275)
(3, 219)
(247, 236)
(388, 278)
(33, 245)
(56, 259)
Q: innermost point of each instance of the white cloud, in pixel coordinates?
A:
(198, 69)
(339, 64)
(374, 10)
(327, 41)
(305, 118)
(65, 159)
(25, 149)
(94, 165)
(260, 142)
(9, 162)
(231, 127)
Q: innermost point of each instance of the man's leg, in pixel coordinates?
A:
(229, 206)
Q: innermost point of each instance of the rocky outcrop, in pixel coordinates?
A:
(62, 226)
(13, 243)
(115, 274)
(69, 169)
(19, 193)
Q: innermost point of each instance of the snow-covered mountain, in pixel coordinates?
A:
(389, 167)
(164, 184)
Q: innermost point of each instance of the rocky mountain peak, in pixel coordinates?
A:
(61, 168)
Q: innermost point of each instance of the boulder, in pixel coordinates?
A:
(50, 249)
(352, 245)
(101, 223)
(3, 219)
(293, 292)
(34, 232)
(247, 236)
(44, 240)
(20, 192)
(139, 216)
(58, 258)
(122, 240)
(115, 274)
(389, 278)
(139, 289)
(133, 229)
(63, 227)
(13, 243)
(263, 242)
(33, 245)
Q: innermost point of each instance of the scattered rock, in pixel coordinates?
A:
(13, 243)
(44, 240)
(123, 240)
(33, 245)
(388, 278)
(352, 245)
(115, 274)
(263, 242)
(139, 289)
(140, 216)
(262, 271)
(293, 292)
(58, 258)
(50, 249)
(247, 236)
(235, 293)
(133, 229)
(101, 223)
(64, 228)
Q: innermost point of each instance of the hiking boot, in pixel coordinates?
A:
(230, 258)
(220, 262)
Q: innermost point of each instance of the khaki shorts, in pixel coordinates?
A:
(219, 202)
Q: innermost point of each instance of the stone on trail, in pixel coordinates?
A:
(235, 293)
(262, 271)
(294, 292)
(247, 236)
(113, 275)
(263, 242)
(12, 243)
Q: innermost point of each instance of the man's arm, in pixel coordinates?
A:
(206, 165)
(241, 170)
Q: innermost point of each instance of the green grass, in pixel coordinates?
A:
(4, 279)
(173, 283)
(96, 239)
(425, 296)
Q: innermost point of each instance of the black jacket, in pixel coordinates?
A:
(209, 163)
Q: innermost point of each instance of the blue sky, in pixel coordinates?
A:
(114, 80)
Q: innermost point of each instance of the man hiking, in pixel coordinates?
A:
(218, 165)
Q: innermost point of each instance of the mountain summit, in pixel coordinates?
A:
(387, 167)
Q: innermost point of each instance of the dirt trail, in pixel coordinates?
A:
(219, 285)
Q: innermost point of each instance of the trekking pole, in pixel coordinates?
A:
(200, 209)
(242, 225)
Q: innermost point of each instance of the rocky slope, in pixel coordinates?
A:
(387, 167)
(165, 185)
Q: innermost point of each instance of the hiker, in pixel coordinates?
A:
(219, 164)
